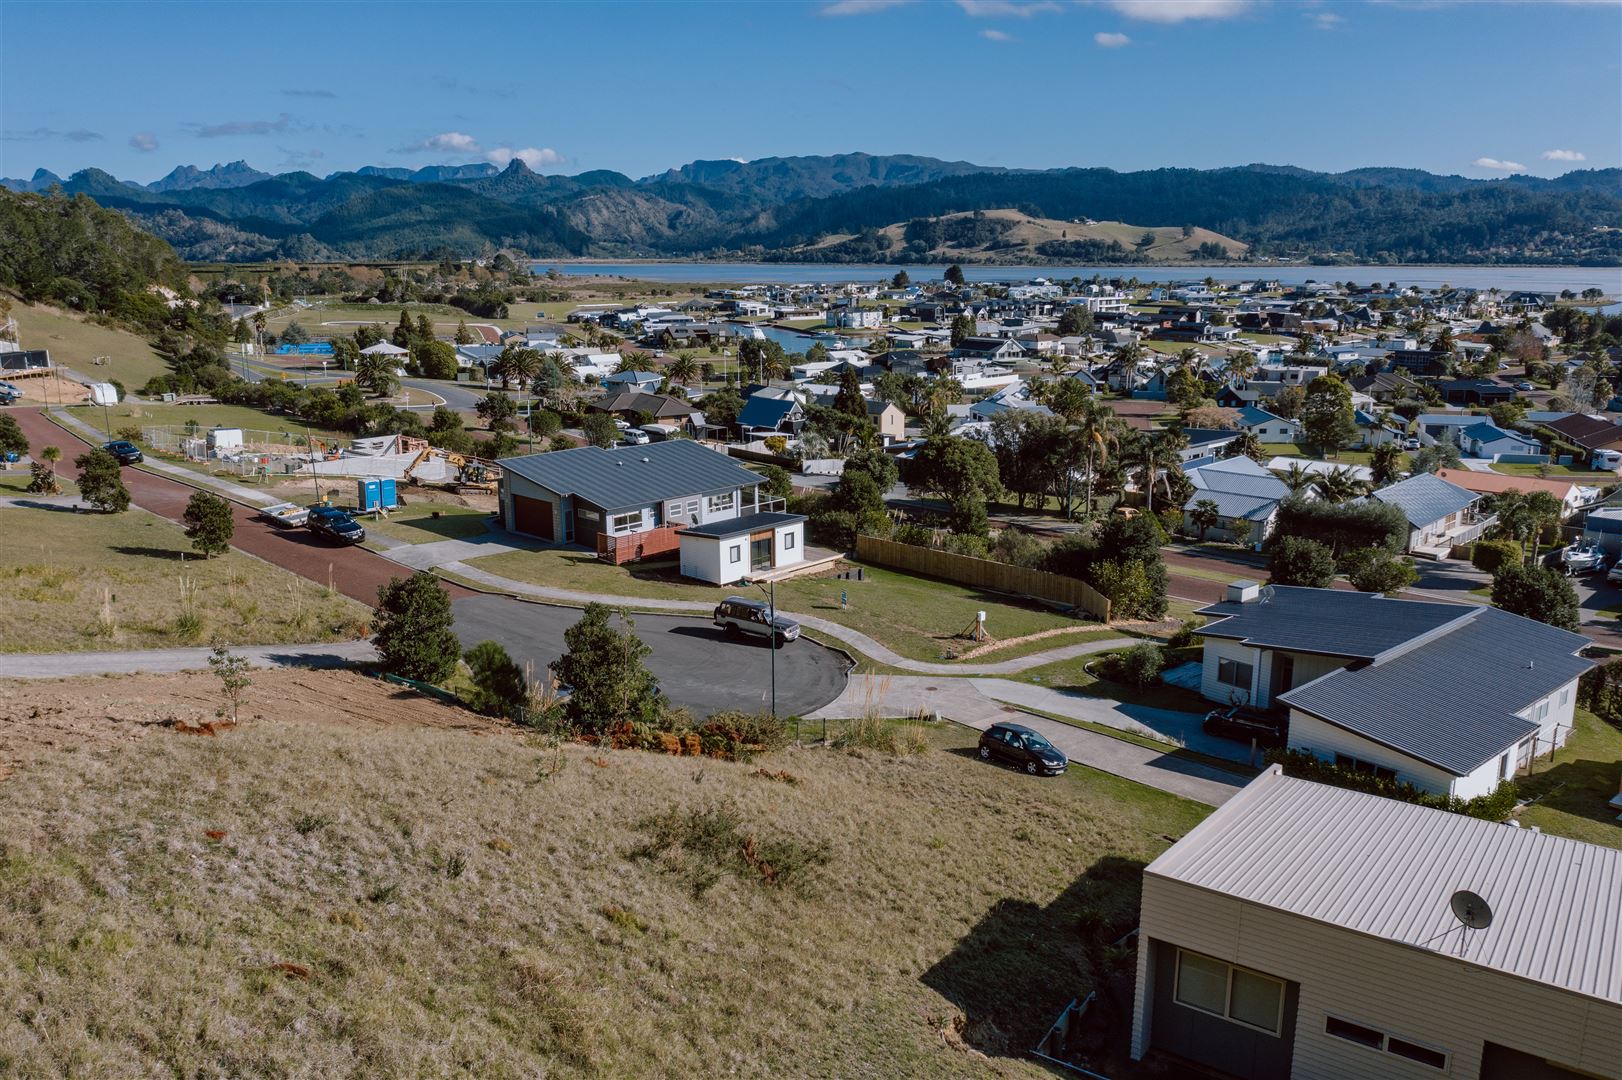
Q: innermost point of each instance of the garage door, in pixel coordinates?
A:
(533, 516)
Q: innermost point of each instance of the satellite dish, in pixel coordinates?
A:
(1471, 910)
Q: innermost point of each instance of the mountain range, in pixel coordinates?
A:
(856, 207)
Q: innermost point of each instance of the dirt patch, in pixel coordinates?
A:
(95, 712)
(50, 390)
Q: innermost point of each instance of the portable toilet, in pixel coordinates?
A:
(368, 493)
(386, 493)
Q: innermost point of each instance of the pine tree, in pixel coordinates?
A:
(209, 523)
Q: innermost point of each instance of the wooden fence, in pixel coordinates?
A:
(984, 574)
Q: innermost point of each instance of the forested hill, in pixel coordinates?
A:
(778, 207)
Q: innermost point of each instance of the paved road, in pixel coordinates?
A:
(695, 663)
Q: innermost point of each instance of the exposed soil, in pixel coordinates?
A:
(95, 712)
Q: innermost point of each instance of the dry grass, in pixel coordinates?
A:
(75, 342)
(78, 581)
(290, 899)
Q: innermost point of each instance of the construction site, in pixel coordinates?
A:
(271, 456)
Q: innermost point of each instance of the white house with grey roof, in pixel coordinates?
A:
(1246, 495)
(1306, 931)
(640, 502)
(1451, 698)
(1440, 514)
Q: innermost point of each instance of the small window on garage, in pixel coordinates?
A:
(735, 553)
(788, 541)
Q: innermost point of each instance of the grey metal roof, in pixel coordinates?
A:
(1386, 869)
(738, 526)
(1238, 476)
(1333, 622)
(1233, 505)
(633, 476)
(1425, 498)
(1451, 700)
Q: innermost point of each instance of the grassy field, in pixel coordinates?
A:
(416, 523)
(83, 581)
(1576, 785)
(1556, 472)
(1345, 457)
(293, 899)
(919, 618)
(140, 415)
(1072, 675)
(76, 342)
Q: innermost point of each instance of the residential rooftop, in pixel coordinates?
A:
(1388, 869)
(633, 476)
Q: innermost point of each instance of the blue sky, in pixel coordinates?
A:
(1479, 89)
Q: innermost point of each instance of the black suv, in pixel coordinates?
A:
(1023, 748)
(335, 524)
(1243, 723)
(125, 451)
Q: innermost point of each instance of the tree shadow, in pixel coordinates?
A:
(167, 554)
(31, 504)
(1580, 787)
(1022, 963)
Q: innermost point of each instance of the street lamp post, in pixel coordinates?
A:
(770, 589)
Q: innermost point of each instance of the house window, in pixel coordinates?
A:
(1565, 696)
(735, 553)
(721, 504)
(788, 541)
(624, 523)
(1235, 673)
(1368, 768)
(1233, 993)
(682, 510)
(1375, 1039)
(1540, 711)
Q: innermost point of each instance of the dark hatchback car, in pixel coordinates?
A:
(1023, 748)
(1243, 723)
(335, 524)
(125, 451)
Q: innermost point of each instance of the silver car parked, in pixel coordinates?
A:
(741, 615)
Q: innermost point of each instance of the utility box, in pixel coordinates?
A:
(224, 438)
(369, 493)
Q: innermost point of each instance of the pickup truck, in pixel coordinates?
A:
(287, 515)
(335, 524)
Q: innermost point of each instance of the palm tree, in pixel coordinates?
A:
(1127, 360)
(1204, 515)
(516, 363)
(1296, 477)
(684, 369)
(1338, 485)
(1241, 365)
(259, 328)
(1059, 363)
(1099, 431)
(1157, 457)
(1385, 462)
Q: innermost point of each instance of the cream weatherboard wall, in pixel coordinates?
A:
(725, 560)
(1308, 666)
(1430, 998)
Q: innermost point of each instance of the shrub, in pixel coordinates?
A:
(1307, 766)
(499, 686)
(1017, 547)
(1536, 592)
(1377, 570)
(1127, 585)
(1297, 561)
(745, 734)
(1187, 634)
(1139, 666)
(1489, 555)
(1343, 526)
(413, 632)
(703, 845)
(209, 523)
(100, 482)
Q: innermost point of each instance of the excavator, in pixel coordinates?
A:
(473, 474)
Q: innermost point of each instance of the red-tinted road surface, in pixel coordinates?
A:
(353, 571)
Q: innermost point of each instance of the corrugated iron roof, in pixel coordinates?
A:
(633, 476)
(1426, 498)
(1332, 622)
(1387, 868)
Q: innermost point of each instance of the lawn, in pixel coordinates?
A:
(141, 415)
(298, 899)
(1576, 785)
(1345, 457)
(919, 618)
(75, 342)
(1072, 676)
(416, 523)
(84, 581)
(15, 480)
(1555, 472)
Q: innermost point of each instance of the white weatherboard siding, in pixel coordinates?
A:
(705, 558)
(1308, 666)
(1326, 740)
(1411, 993)
(788, 544)
(1216, 649)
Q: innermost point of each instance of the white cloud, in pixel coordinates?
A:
(1564, 155)
(860, 7)
(144, 141)
(535, 158)
(1111, 41)
(996, 35)
(451, 140)
(1176, 11)
(1498, 166)
(1326, 20)
(998, 9)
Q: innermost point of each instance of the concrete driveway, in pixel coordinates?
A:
(696, 664)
